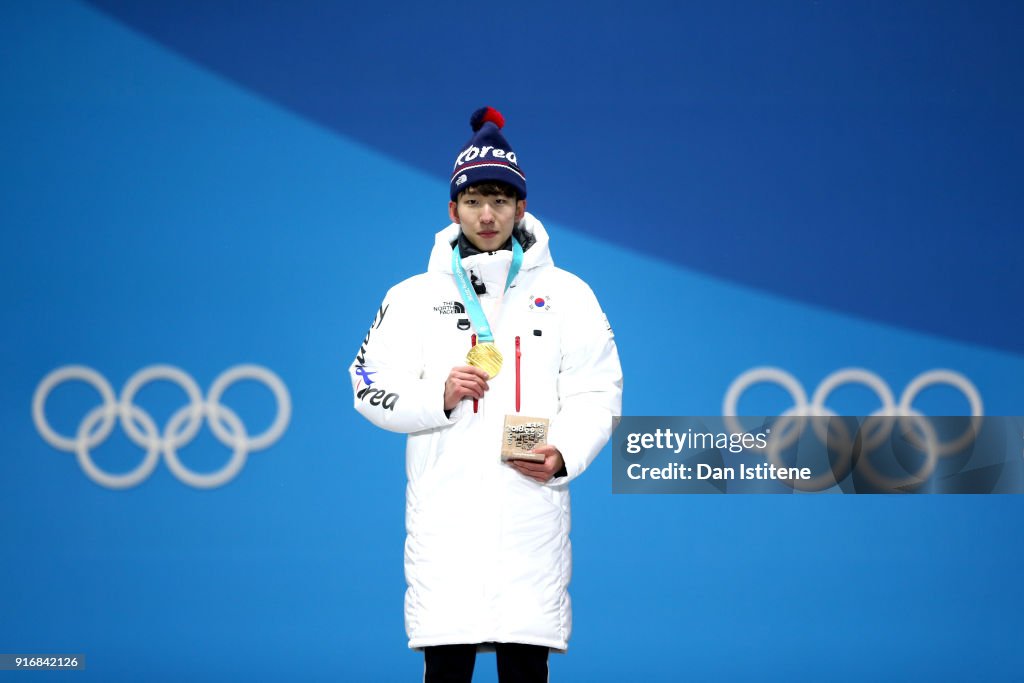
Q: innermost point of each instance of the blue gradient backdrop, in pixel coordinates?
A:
(807, 185)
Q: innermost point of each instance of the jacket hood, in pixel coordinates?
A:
(535, 256)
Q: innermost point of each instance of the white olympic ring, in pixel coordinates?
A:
(889, 407)
(821, 481)
(180, 429)
(932, 451)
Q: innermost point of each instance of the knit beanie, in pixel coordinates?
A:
(487, 156)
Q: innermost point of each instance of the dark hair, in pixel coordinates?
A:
(489, 188)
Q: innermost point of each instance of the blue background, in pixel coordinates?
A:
(812, 186)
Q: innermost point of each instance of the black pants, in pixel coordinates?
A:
(517, 663)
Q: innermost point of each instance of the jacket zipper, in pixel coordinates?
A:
(472, 343)
(519, 354)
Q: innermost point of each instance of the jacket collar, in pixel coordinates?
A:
(529, 230)
(525, 239)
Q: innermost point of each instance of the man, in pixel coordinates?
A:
(487, 553)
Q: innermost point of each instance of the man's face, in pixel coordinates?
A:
(486, 221)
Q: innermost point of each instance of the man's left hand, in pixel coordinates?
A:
(541, 471)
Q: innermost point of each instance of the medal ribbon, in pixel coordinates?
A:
(469, 297)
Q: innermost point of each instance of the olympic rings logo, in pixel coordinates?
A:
(875, 429)
(180, 429)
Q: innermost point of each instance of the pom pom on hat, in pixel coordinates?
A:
(485, 114)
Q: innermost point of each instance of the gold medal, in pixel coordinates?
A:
(485, 356)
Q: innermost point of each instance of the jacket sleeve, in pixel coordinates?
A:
(387, 374)
(589, 387)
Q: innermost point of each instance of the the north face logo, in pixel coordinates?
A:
(450, 308)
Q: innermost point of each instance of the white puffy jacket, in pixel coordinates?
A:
(487, 555)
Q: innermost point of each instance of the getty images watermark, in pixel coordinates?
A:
(907, 453)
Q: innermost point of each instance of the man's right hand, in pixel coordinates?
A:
(464, 382)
